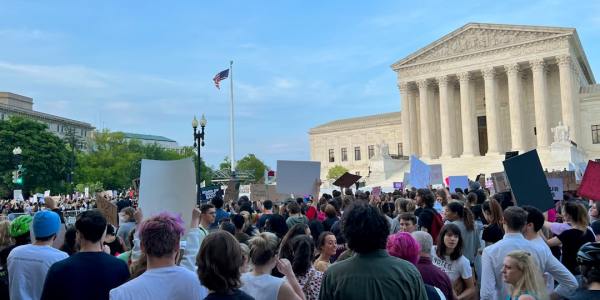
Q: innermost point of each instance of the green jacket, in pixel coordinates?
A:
(374, 275)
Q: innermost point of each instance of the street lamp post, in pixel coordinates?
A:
(199, 142)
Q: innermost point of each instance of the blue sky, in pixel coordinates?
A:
(147, 67)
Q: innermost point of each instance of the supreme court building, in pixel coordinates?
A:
(485, 89)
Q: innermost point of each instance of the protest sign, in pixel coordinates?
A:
(168, 186)
(274, 196)
(528, 182)
(500, 182)
(590, 183)
(406, 179)
(398, 185)
(108, 209)
(510, 154)
(568, 177)
(435, 175)
(233, 191)
(210, 192)
(556, 188)
(244, 189)
(297, 177)
(258, 192)
(376, 191)
(87, 192)
(461, 182)
(18, 195)
(47, 193)
(346, 180)
(419, 173)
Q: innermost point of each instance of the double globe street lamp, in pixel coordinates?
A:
(199, 142)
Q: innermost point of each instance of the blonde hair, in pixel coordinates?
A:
(263, 247)
(5, 239)
(531, 281)
(404, 205)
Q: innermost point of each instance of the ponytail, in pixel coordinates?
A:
(464, 213)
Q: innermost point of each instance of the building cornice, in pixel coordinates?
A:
(44, 116)
(365, 122)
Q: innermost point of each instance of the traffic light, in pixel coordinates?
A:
(19, 177)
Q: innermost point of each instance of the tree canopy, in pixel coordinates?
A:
(336, 171)
(44, 156)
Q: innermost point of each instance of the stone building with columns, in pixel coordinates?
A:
(485, 89)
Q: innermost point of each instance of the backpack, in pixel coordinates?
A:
(436, 224)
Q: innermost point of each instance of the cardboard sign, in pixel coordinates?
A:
(419, 173)
(109, 210)
(233, 191)
(210, 192)
(245, 189)
(436, 176)
(455, 182)
(568, 177)
(376, 191)
(528, 182)
(258, 192)
(297, 177)
(556, 188)
(346, 180)
(168, 186)
(590, 183)
(398, 185)
(500, 182)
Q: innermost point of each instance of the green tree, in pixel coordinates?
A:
(44, 156)
(225, 164)
(253, 165)
(336, 171)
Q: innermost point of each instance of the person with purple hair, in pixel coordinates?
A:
(160, 238)
(403, 245)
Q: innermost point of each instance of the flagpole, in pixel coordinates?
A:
(231, 130)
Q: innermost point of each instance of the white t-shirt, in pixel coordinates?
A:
(261, 287)
(460, 268)
(27, 269)
(168, 283)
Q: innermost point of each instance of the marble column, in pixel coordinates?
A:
(414, 121)
(405, 115)
(424, 118)
(517, 127)
(541, 103)
(448, 136)
(467, 111)
(492, 111)
(567, 102)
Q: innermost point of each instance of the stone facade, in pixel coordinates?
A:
(13, 104)
(369, 133)
(485, 89)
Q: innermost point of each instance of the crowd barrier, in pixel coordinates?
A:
(69, 215)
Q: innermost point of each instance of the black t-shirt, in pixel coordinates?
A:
(84, 275)
(585, 295)
(492, 233)
(115, 247)
(263, 219)
(123, 203)
(596, 227)
(234, 295)
(572, 239)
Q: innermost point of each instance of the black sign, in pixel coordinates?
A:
(209, 192)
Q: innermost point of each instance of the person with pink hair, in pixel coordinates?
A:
(160, 238)
(403, 245)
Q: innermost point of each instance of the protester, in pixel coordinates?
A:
(403, 245)
(126, 225)
(285, 247)
(114, 243)
(19, 231)
(361, 277)
(295, 215)
(588, 258)
(163, 279)
(276, 224)
(28, 264)
(309, 278)
(327, 246)
(5, 239)
(408, 222)
(457, 214)
(594, 213)
(574, 237)
(430, 273)
(90, 273)
(447, 256)
(219, 262)
(266, 213)
(208, 214)
(331, 217)
(240, 235)
(429, 220)
(522, 273)
(316, 228)
(69, 245)
(259, 283)
(492, 212)
(554, 270)
(220, 213)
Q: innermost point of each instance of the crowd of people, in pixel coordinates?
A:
(412, 244)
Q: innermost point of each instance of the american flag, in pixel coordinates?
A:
(220, 76)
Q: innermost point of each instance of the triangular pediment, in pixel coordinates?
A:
(476, 37)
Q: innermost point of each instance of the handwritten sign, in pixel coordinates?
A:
(556, 188)
(233, 191)
(500, 182)
(210, 192)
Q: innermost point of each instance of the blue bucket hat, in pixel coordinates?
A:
(45, 223)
